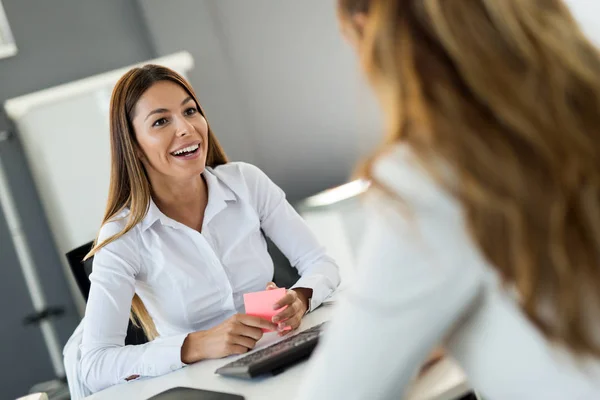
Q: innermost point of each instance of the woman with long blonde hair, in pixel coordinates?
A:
(183, 239)
(484, 224)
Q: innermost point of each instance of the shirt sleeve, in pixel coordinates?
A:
(286, 228)
(415, 279)
(105, 360)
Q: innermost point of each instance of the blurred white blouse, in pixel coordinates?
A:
(421, 281)
(192, 281)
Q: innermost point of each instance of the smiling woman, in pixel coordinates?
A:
(173, 136)
(183, 239)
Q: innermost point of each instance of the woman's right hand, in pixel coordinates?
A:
(237, 335)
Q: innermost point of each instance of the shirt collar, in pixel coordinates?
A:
(152, 215)
(218, 196)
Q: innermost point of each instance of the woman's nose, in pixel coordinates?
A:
(183, 127)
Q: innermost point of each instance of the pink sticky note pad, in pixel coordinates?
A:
(260, 304)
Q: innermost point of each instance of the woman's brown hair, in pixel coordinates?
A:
(129, 185)
(507, 94)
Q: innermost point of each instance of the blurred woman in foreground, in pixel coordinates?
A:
(485, 214)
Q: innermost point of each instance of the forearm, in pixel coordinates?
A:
(318, 271)
(107, 365)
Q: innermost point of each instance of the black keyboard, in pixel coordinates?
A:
(274, 359)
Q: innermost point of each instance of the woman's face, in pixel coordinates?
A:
(171, 132)
(352, 28)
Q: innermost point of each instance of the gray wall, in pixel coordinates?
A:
(58, 41)
(279, 85)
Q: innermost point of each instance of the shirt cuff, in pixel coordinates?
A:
(164, 355)
(319, 290)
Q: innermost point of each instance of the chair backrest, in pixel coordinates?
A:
(81, 270)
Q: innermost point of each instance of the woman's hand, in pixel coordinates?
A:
(296, 301)
(237, 335)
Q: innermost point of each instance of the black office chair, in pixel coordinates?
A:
(284, 275)
(81, 270)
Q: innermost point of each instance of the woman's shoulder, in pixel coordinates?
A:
(239, 171)
(414, 180)
(121, 255)
(116, 225)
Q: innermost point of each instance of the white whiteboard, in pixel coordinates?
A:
(65, 136)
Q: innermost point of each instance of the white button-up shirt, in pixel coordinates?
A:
(192, 281)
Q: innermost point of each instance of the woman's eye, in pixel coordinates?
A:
(191, 111)
(160, 122)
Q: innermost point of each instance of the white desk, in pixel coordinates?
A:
(444, 381)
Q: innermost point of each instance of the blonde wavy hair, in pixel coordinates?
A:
(129, 184)
(507, 93)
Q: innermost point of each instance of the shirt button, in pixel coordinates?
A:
(174, 367)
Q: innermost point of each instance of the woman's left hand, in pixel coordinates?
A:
(296, 301)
